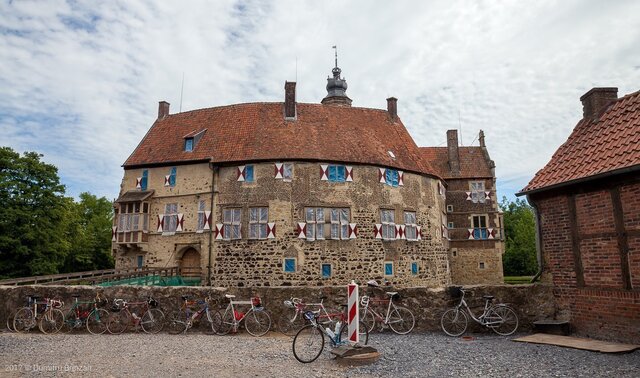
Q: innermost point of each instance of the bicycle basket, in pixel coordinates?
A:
(454, 291)
(396, 297)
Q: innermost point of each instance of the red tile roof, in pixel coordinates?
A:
(604, 144)
(258, 131)
(473, 163)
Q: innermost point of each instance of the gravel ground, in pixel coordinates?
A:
(197, 354)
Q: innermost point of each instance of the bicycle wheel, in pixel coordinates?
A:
(97, 321)
(502, 320)
(257, 322)
(10, 321)
(227, 323)
(23, 321)
(401, 320)
(308, 344)
(454, 322)
(368, 319)
(215, 318)
(152, 321)
(177, 322)
(118, 322)
(289, 324)
(363, 334)
(51, 321)
(71, 322)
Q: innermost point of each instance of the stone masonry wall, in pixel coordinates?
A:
(530, 301)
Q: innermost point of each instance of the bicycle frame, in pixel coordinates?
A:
(322, 312)
(366, 300)
(482, 318)
(238, 314)
(336, 340)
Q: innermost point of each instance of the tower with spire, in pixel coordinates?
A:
(336, 87)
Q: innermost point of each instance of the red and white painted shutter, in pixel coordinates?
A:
(353, 230)
(114, 230)
(207, 220)
(399, 231)
(279, 171)
(377, 231)
(440, 188)
(271, 230)
(218, 231)
(160, 222)
(491, 233)
(470, 234)
(348, 173)
(324, 172)
(419, 232)
(138, 182)
(302, 230)
(468, 196)
(382, 175)
(400, 178)
(180, 223)
(167, 180)
(241, 172)
(487, 195)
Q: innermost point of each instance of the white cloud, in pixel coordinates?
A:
(80, 81)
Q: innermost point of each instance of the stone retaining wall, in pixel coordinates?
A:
(532, 302)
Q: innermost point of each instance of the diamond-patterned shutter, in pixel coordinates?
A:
(468, 196)
(377, 231)
(241, 173)
(114, 231)
(348, 173)
(271, 230)
(491, 233)
(419, 232)
(138, 182)
(382, 175)
(324, 172)
(353, 230)
(180, 222)
(160, 222)
(400, 231)
(218, 231)
(400, 178)
(278, 170)
(207, 220)
(487, 195)
(470, 234)
(167, 180)
(301, 230)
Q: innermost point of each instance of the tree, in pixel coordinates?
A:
(520, 230)
(32, 215)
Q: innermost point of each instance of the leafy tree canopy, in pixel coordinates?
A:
(520, 251)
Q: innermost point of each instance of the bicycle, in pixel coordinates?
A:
(256, 320)
(290, 324)
(399, 319)
(501, 318)
(185, 318)
(151, 319)
(94, 319)
(28, 317)
(52, 318)
(308, 343)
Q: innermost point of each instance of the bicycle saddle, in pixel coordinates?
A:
(489, 297)
(391, 293)
(185, 297)
(344, 305)
(75, 296)
(229, 296)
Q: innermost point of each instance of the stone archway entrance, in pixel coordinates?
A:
(190, 263)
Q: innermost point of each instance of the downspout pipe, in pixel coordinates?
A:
(211, 209)
(538, 239)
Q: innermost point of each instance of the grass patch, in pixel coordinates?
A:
(513, 280)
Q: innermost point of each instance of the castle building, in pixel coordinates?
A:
(288, 193)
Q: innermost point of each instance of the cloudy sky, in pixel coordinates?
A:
(80, 81)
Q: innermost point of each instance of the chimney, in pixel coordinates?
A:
(594, 101)
(392, 107)
(481, 138)
(163, 109)
(289, 100)
(452, 149)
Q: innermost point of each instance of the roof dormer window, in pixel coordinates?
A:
(188, 144)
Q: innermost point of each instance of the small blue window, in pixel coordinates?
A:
(388, 269)
(172, 176)
(337, 173)
(326, 270)
(414, 268)
(290, 265)
(391, 177)
(140, 261)
(144, 180)
(188, 144)
(248, 173)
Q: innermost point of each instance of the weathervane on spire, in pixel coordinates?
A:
(336, 51)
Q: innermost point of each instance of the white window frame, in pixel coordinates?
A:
(486, 227)
(315, 218)
(388, 225)
(384, 267)
(170, 219)
(339, 217)
(201, 216)
(410, 225)
(477, 189)
(258, 220)
(287, 172)
(232, 223)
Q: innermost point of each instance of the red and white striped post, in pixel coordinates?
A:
(353, 311)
